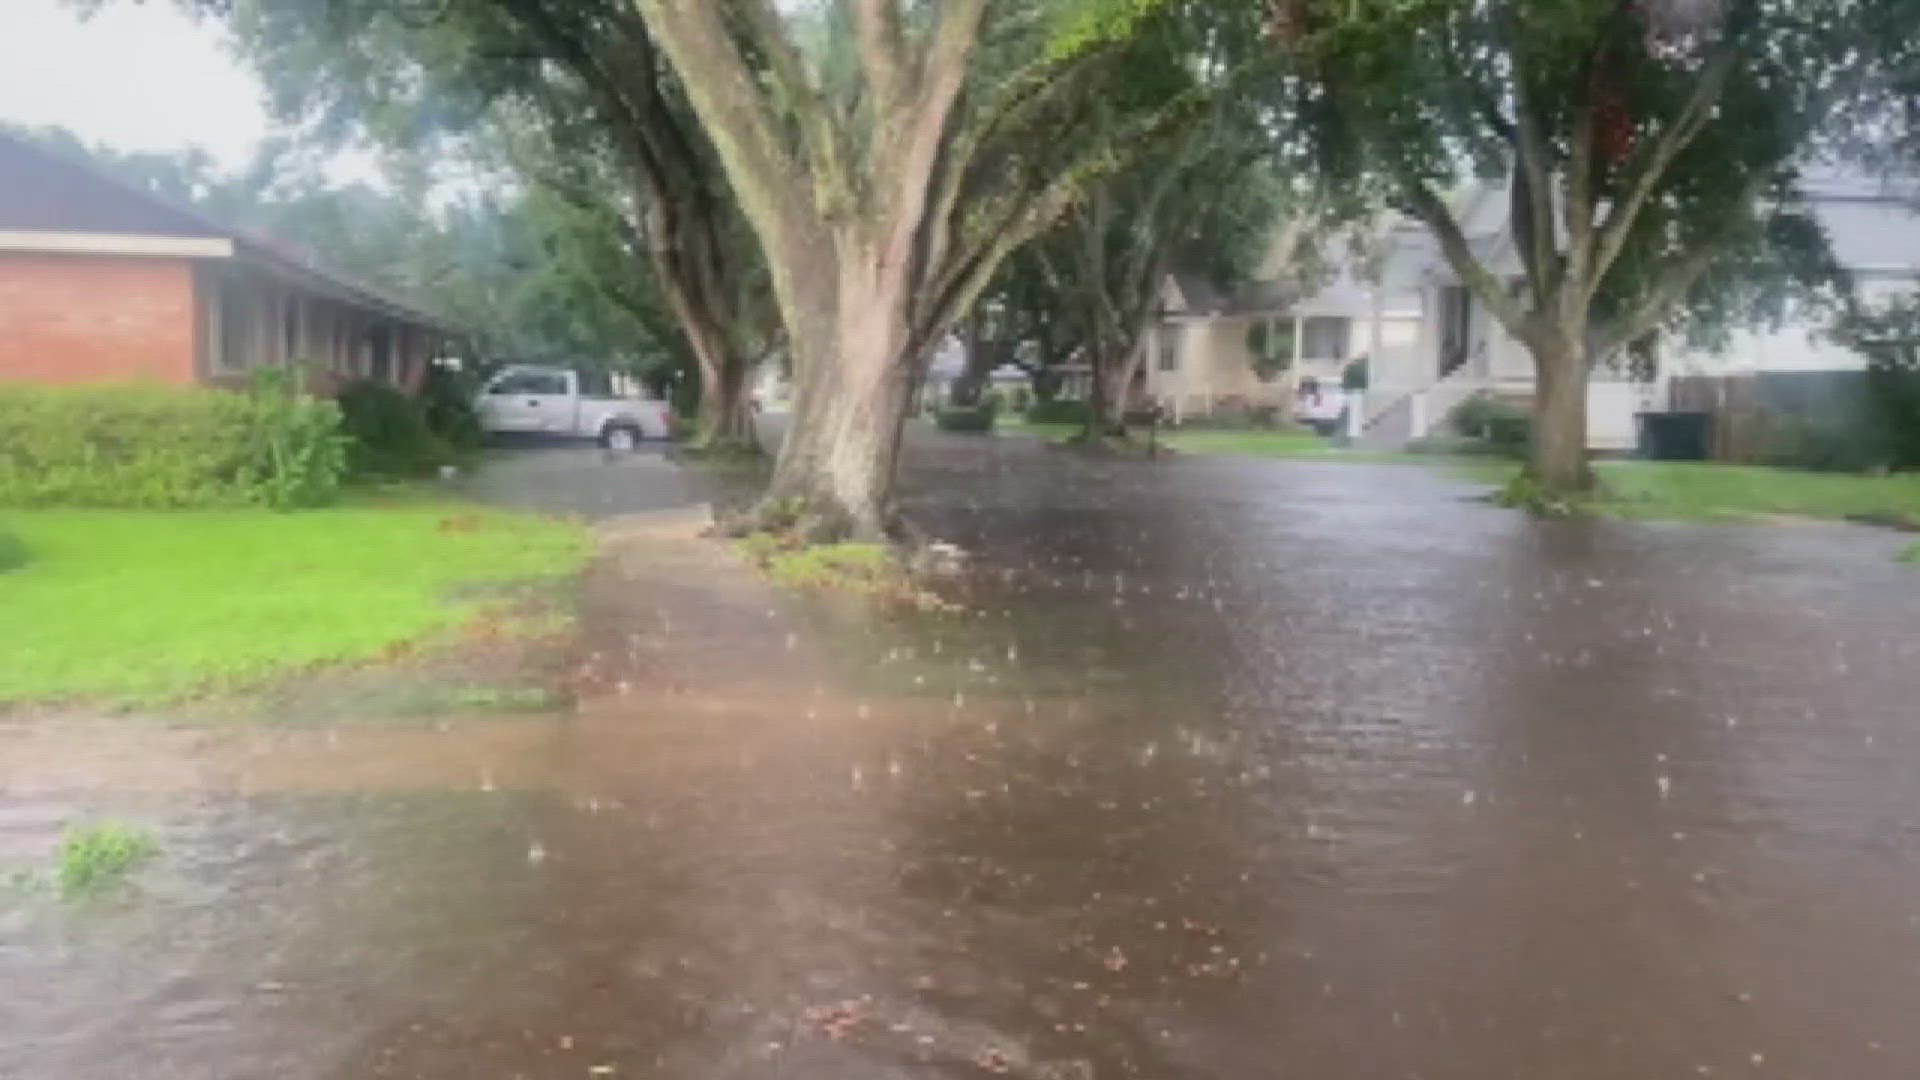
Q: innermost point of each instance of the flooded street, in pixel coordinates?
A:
(1239, 769)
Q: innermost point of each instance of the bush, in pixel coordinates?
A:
(389, 432)
(1057, 412)
(975, 420)
(446, 403)
(1795, 443)
(1502, 427)
(165, 447)
(1239, 416)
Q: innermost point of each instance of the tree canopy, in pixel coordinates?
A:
(1642, 144)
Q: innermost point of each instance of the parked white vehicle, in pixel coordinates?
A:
(561, 401)
(1323, 410)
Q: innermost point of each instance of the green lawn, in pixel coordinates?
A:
(1707, 490)
(1251, 442)
(142, 606)
(1014, 424)
(1254, 443)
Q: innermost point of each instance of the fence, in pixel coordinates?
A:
(1750, 410)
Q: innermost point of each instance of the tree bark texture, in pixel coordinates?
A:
(1558, 460)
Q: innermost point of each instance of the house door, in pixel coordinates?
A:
(527, 401)
(1456, 316)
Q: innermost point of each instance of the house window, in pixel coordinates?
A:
(1325, 337)
(1169, 348)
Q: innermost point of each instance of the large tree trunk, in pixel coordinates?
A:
(1558, 463)
(835, 469)
(726, 409)
(1114, 365)
(726, 417)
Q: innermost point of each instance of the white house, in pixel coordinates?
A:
(1462, 351)
(1200, 354)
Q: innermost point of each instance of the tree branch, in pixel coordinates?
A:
(883, 54)
(1533, 192)
(1430, 209)
(744, 128)
(1674, 138)
(914, 170)
(1674, 282)
(1579, 206)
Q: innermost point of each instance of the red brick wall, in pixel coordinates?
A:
(88, 318)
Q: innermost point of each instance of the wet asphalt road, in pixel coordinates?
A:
(1237, 769)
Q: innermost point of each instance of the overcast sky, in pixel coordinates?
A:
(139, 76)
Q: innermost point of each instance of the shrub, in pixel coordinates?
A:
(1239, 416)
(1795, 443)
(1057, 412)
(167, 447)
(446, 403)
(975, 420)
(389, 432)
(1502, 427)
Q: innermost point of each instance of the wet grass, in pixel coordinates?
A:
(145, 607)
(1710, 491)
(1253, 442)
(100, 856)
(13, 553)
(1016, 425)
(871, 571)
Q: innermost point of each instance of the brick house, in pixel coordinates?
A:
(100, 281)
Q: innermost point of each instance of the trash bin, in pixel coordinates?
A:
(1676, 436)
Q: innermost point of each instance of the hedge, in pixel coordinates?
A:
(388, 433)
(161, 447)
(1058, 411)
(975, 420)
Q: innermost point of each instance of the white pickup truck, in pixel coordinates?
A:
(526, 399)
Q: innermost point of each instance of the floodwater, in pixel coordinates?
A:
(1237, 770)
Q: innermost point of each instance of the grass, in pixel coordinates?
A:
(1911, 555)
(1710, 491)
(825, 566)
(1015, 424)
(13, 553)
(856, 569)
(152, 606)
(98, 856)
(1253, 442)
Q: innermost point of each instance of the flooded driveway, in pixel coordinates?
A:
(1237, 769)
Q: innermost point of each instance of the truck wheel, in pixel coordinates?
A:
(621, 437)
